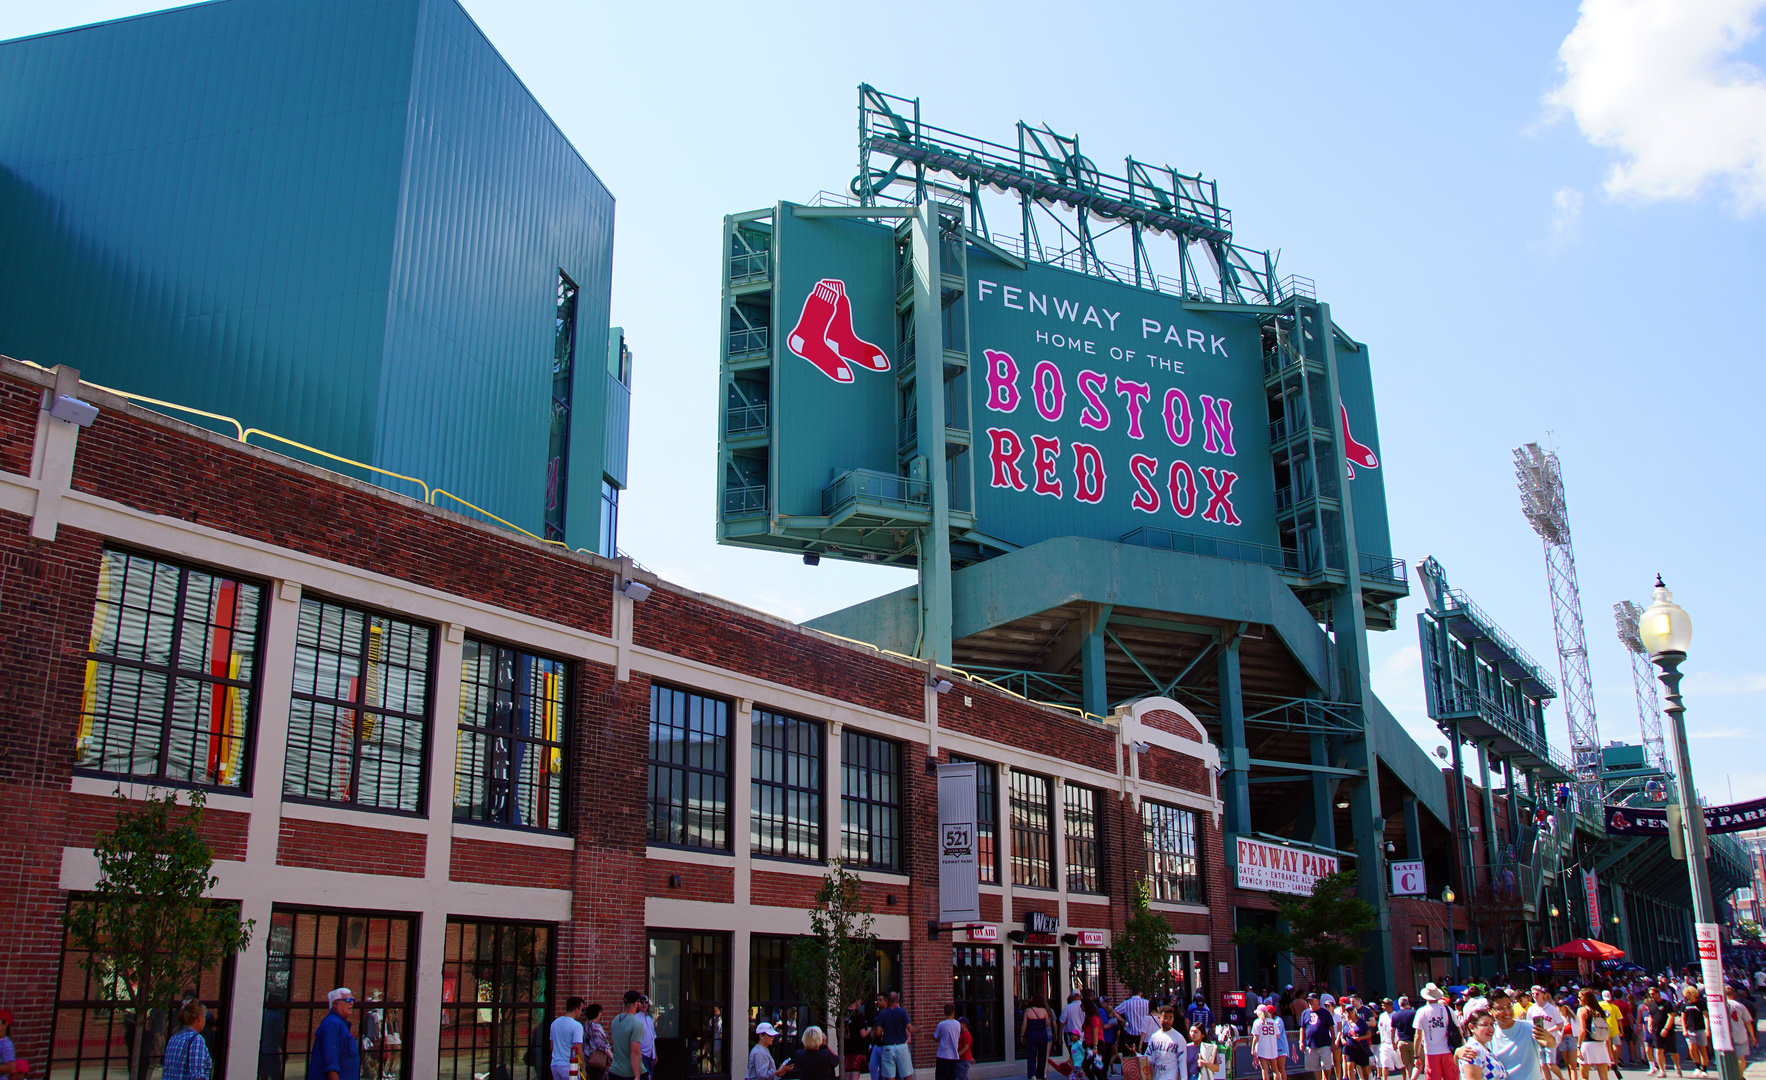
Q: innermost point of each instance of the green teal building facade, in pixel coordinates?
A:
(340, 222)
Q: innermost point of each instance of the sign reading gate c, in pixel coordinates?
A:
(1407, 878)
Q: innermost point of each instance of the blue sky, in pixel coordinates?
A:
(1545, 221)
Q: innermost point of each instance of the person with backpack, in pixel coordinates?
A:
(1592, 1032)
(1437, 1036)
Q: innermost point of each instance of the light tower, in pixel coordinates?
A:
(1649, 702)
(1542, 501)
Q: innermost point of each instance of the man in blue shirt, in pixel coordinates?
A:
(1516, 1045)
(335, 1056)
(1200, 1015)
(1317, 1027)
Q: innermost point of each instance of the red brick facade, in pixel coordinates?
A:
(148, 483)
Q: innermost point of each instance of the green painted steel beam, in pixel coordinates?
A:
(1178, 626)
(1326, 770)
(855, 212)
(1296, 778)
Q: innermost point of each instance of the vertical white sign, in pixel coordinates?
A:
(1710, 938)
(959, 874)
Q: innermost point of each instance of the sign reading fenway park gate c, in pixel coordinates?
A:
(1273, 868)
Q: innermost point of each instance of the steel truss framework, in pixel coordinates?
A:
(1643, 681)
(1542, 501)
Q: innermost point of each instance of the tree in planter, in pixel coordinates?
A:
(1142, 951)
(831, 965)
(1325, 927)
(146, 929)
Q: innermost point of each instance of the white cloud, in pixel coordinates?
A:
(1658, 81)
(1566, 210)
(1700, 682)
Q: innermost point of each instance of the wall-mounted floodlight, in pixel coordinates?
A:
(942, 686)
(73, 410)
(1142, 747)
(636, 591)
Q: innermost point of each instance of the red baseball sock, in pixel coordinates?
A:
(1354, 451)
(810, 339)
(852, 348)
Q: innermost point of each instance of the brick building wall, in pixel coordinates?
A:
(155, 485)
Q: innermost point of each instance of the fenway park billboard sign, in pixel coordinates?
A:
(1091, 407)
(1273, 868)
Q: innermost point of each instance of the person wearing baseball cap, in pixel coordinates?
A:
(335, 1055)
(760, 1059)
(10, 1064)
(627, 1038)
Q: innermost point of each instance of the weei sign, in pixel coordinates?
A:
(1092, 407)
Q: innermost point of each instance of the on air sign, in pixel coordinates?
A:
(1273, 868)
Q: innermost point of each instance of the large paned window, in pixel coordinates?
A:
(358, 723)
(771, 997)
(975, 978)
(496, 999)
(95, 1032)
(608, 544)
(312, 951)
(1080, 811)
(1174, 866)
(987, 819)
(1033, 827)
(171, 673)
(786, 790)
(1085, 970)
(690, 1001)
(689, 801)
(870, 801)
(558, 445)
(513, 743)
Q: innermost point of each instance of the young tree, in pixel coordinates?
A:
(831, 965)
(147, 929)
(1325, 927)
(1142, 952)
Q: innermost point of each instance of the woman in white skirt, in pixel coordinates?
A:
(1593, 1032)
(1387, 1060)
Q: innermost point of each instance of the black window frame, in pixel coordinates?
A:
(426, 718)
(860, 813)
(970, 970)
(790, 762)
(769, 963)
(557, 748)
(97, 662)
(1165, 820)
(653, 803)
(1032, 869)
(508, 1054)
(215, 987)
(1085, 854)
(347, 967)
(987, 818)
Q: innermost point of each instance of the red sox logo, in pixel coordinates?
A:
(824, 334)
(1357, 453)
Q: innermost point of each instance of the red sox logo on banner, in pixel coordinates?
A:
(1354, 451)
(824, 334)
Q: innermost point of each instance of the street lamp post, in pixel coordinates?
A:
(1452, 947)
(1666, 631)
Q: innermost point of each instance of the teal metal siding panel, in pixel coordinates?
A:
(617, 424)
(198, 205)
(495, 203)
(340, 221)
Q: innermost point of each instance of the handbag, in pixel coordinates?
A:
(599, 1059)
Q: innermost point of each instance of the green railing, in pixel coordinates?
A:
(1234, 550)
(741, 419)
(745, 500)
(876, 489)
(1457, 600)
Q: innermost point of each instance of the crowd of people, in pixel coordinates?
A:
(1497, 1032)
